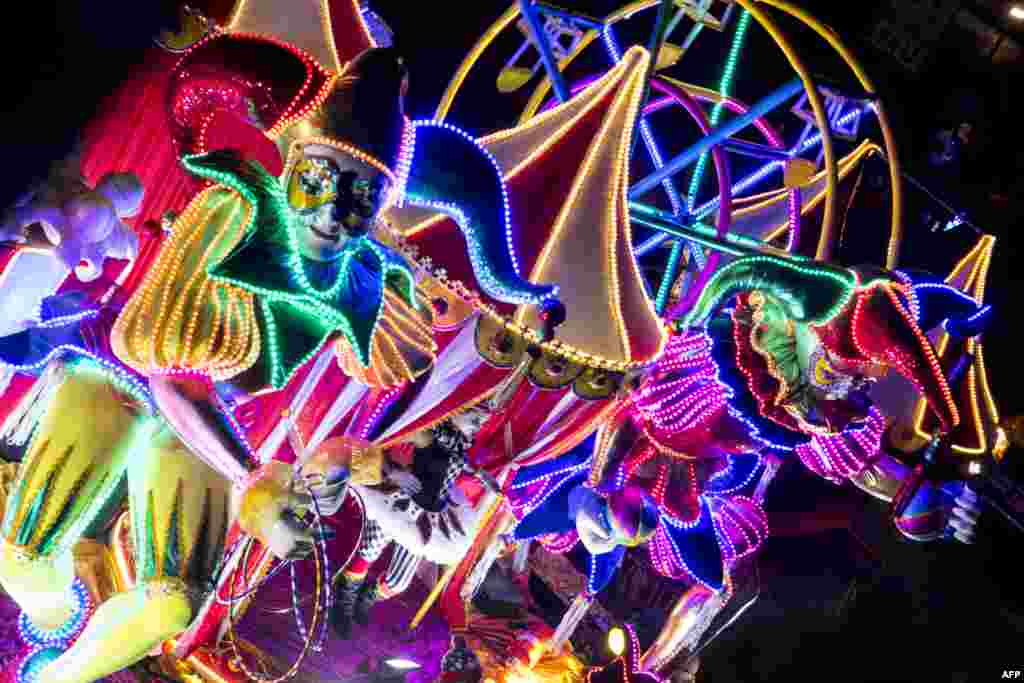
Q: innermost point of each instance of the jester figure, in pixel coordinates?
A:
(260, 272)
(777, 358)
(419, 510)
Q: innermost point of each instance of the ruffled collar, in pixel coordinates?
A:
(301, 302)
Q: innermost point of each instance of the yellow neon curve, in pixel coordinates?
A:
(474, 54)
(825, 243)
(895, 178)
(824, 252)
(978, 259)
(846, 166)
(326, 30)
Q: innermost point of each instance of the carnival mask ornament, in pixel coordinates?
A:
(308, 254)
(810, 338)
(333, 206)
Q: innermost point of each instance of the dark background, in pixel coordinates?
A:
(835, 608)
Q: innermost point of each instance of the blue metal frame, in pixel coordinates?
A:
(750, 149)
(578, 19)
(667, 225)
(716, 137)
(681, 225)
(544, 47)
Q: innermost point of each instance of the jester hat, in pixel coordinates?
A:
(863, 316)
(267, 99)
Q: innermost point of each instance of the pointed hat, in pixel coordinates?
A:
(331, 31)
(979, 431)
(567, 173)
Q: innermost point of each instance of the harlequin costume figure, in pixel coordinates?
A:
(802, 345)
(773, 361)
(262, 270)
(778, 358)
(419, 510)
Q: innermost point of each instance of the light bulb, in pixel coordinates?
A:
(401, 664)
(617, 641)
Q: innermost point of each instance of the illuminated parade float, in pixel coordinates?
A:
(282, 369)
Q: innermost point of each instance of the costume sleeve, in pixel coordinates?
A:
(552, 516)
(179, 318)
(603, 568)
(403, 346)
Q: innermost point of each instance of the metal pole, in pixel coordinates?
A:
(693, 235)
(544, 47)
(656, 219)
(654, 47)
(680, 14)
(717, 136)
(669, 277)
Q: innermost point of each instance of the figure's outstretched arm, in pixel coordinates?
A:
(266, 493)
(686, 624)
(928, 511)
(882, 478)
(195, 413)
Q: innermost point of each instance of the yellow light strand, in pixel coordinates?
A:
(328, 30)
(895, 172)
(595, 93)
(981, 284)
(629, 101)
(865, 148)
(297, 147)
(544, 87)
(579, 181)
(309, 110)
(471, 58)
(203, 283)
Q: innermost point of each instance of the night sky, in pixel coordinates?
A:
(918, 613)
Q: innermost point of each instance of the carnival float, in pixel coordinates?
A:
(284, 370)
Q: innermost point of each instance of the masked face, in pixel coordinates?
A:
(841, 388)
(336, 198)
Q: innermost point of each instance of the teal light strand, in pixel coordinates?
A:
(669, 278)
(724, 88)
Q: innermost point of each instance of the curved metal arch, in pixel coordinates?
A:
(543, 88)
(889, 138)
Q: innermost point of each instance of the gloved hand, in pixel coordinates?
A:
(272, 509)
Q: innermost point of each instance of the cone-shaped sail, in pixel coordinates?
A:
(567, 172)
(978, 431)
(331, 31)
